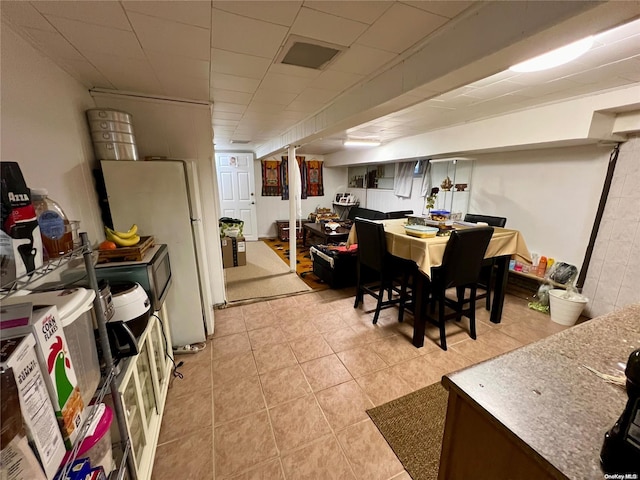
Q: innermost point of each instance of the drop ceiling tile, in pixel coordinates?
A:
(317, 95)
(294, 70)
(619, 50)
(227, 116)
(335, 80)
(180, 85)
(549, 88)
(167, 64)
(107, 14)
(304, 107)
(196, 13)
(85, 73)
(466, 90)
(223, 61)
(362, 60)
(360, 11)
(619, 33)
(270, 96)
(448, 9)
(90, 39)
(23, 14)
(496, 89)
(230, 96)
(280, 12)
(218, 122)
(229, 107)
(263, 107)
(328, 28)
(165, 36)
(233, 82)
(400, 27)
(284, 83)
(130, 74)
(245, 35)
(53, 44)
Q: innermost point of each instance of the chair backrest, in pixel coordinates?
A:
(372, 244)
(365, 213)
(488, 219)
(399, 214)
(463, 255)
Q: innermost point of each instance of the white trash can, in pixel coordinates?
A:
(566, 311)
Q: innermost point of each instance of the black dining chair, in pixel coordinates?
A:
(461, 265)
(398, 214)
(488, 265)
(379, 272)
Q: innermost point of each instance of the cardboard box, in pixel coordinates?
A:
(52, 351)
(19, 354)
(234, 252)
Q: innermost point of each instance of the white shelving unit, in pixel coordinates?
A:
(108, 383)
(459, 171)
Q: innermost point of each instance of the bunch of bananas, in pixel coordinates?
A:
(123, 239)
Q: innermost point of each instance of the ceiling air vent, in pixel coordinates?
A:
(308, 53)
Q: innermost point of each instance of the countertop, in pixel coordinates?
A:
(548, 400)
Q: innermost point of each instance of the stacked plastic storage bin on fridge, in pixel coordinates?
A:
(112, 134)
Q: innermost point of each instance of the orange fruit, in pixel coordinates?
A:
(107, 245)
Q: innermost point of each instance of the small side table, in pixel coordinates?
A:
(283, 229)
(344, 208)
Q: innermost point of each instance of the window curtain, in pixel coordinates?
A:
(271, 186)
(404, 179)
(426, 179)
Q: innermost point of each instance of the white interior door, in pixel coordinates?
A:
(237, 190)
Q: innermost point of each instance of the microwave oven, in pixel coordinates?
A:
(153, 273)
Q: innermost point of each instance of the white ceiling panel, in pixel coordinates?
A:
(230, 96)
(270, 96)
(448, 8)
(196, 13)
(107, 14)
(245, 35)
(316, 95)
(227, 116)
(173, 38)
(263, 107)
(279, 12)
(91, 77)
(294, 70)
(54, 44)
(231, 63)
(24, 14)
(325, 27)
(176, 66)
(89, 38)
(360, 11)
(228, 107)
(362, 60)
(335, 80)
(284, 83)
(416, 24)
(496, 89)
(129, 74)
(304, 107)
(182, 86)
(233, 82)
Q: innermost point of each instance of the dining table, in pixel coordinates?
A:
(427, 253)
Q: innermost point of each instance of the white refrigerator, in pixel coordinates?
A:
(162, 198)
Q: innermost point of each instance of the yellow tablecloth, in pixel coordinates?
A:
(428, 252)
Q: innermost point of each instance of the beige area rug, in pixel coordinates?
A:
(413, 426)
(265, 275)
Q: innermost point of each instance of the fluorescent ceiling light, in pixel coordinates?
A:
(555, 58)
(361, 142)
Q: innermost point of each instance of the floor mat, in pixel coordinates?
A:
(304, 265)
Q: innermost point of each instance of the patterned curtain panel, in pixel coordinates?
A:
(302, 165)
(271, 186)
(284, 177)
(315, 185)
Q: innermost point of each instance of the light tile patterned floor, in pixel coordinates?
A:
(282, 389)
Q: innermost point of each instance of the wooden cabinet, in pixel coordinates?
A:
(143, 385)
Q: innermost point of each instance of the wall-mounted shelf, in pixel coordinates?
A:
(454, 179)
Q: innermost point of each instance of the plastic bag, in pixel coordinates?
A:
(541, 299)
(230, 227)
(562, 273)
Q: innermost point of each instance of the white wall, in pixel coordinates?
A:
(614, 271)
(550, 195)
(45, 130)
(270, 209)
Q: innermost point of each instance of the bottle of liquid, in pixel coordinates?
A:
(57, 238)
(542, 266)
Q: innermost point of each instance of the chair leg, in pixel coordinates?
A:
(403, 296)
(443, 335)
(379, 304)
(359, 292)
(472, 313)
(460, 305)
